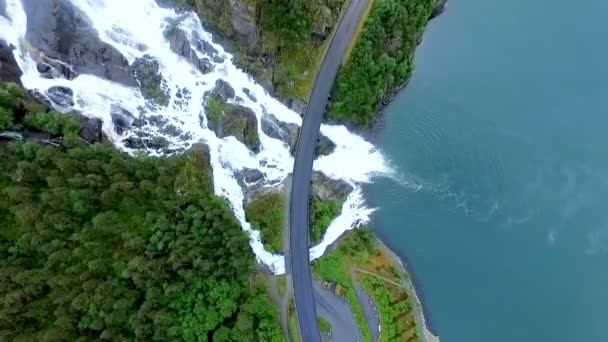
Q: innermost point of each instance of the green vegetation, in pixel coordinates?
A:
(324, 325)
(381, 60)
(215, 107)
(96, 244)
(282, 284)
(358, 259)
(335, 267)
(288, 27)
(294, 326)
(324, 211)
(396, 315)
(291, 40)
(266, 213)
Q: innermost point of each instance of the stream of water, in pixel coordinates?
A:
(135, 28)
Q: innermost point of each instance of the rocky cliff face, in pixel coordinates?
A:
(68, 44)
(9, 70)
(237, 24)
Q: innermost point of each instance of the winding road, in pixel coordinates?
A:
(302, 171)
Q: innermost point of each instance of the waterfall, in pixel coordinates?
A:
(136, 30)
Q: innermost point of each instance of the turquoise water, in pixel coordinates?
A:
(500, 199)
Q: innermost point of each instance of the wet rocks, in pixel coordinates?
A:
(324, 146)
(250, 95)
(288, 133)
(326, 188)
(90, 128)
(179, 43)
(224, 90)
(143, 140)
(63, 34)
(274, 128)
(247, 176)
(9, 69)
(147, 72)
(121, 118)
(237, 121)
(62, 97)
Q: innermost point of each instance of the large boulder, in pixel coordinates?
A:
(61, 97)
(224, 90)
(288, 133)
(64, 35)
(237, 121)
(9, 69)
(147, 72)
(179, 43)
(274, 128)
(121, 118)
(326, 188)
(90, 128)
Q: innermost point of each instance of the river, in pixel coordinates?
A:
(498, 202)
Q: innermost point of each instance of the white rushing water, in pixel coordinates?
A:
(135, 28)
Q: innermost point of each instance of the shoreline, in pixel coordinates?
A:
(426, 330)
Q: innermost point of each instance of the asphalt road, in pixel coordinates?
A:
(298, 212)
(370, 311)
(338, 312)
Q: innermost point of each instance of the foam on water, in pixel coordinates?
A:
(135, 28)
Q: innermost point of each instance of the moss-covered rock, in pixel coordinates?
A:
(151, 82)
(266, 213)
(227, 119)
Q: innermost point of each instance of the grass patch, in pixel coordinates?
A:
(323, 212)
(324, 325)
(294, 326)
(215, 108)
(282, 284)
(297, 69)
(267, 214)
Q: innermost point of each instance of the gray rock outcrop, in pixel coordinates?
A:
(9, 69)
(224, 90)
(179, 43)
(288, 133)
(62, 97)
(146, 71)
(326, 188)
(239, 122)
(67, 43)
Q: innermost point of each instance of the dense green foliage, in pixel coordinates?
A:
(96, 244)
(381, 60)
(323, 212)
(396, 316)
(288, 27)
(266, 213)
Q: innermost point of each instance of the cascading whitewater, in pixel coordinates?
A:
(135, 28)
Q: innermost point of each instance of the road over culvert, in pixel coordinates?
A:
(302, 171)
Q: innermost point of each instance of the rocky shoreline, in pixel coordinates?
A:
(425, 331)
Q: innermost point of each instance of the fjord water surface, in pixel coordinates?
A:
(499, 201)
